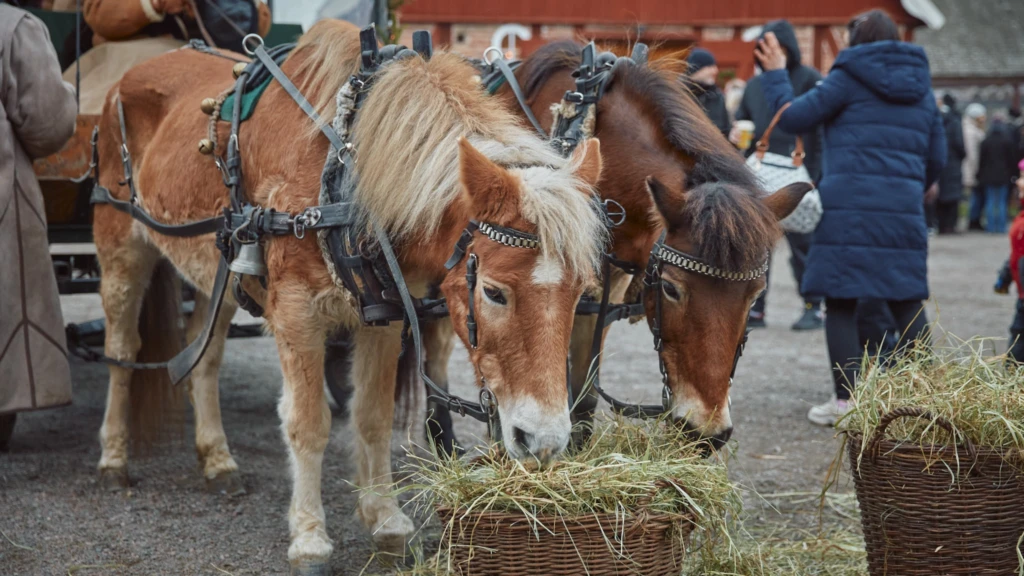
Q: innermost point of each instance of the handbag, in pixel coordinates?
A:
(775, 171)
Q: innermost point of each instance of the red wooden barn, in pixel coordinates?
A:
(470, 26)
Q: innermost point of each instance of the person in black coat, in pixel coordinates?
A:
(997, 169)
(703, 75)
(755, 108)
(951, 184)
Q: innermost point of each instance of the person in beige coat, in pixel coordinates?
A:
(974, 133)
(37, 116)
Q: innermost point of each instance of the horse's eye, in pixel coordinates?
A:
(495, 295)
(670, 290)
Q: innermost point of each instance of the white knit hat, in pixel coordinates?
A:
(975, 110)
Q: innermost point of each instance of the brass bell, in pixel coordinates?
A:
(208, 105)
(206, 146)
(249, 260)
(236, 71)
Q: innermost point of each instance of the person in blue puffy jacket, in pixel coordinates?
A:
(884, 145)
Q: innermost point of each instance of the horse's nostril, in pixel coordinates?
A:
(522, 439)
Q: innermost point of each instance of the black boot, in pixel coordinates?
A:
(812, 318)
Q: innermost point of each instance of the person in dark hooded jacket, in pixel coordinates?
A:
(884, 145)
(754, 107)
(703, 74)
(951, 185)
(997, 169)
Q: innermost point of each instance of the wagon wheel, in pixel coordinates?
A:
(6, 429)
(337, 363)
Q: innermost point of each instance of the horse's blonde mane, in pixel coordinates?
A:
(406, 137)
(407, 155)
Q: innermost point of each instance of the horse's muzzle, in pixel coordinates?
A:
(715, 442)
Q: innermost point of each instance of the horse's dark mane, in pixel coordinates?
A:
(729, 227)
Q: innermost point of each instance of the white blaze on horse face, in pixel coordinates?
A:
(548, 271)
(530, 430)
(709, 421)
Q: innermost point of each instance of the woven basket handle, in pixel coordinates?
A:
(762, 144)
(889, 417)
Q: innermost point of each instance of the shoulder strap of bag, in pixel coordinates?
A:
(762, 144)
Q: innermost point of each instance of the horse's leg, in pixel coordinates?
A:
(218, 467)
(127, 264)
(373, 374)
(439, 341)
(581, 363)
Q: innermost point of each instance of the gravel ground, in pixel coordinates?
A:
(55, 519)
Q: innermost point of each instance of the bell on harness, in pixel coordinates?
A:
(249, 260)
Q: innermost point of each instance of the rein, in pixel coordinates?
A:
(575, 119)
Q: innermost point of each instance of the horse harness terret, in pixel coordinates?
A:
(370, 273)
(575, 121)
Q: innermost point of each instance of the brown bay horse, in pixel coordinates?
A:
(434, 151)
(672, 171)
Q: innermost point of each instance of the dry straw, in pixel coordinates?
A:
(981, 395)
(621, 467)
(625, 466)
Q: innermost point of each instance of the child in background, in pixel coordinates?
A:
(1016, 351)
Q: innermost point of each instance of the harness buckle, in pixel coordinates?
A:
(615, 212)
(666, 396)
(574, 97)
(492, 49)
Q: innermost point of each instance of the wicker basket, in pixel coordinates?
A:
(504, 544)
(919, 520)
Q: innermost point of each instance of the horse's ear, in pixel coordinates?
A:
(492, 192)
(669, 205)
(587, 156)
(786, 199)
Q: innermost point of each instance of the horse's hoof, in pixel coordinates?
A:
(310, 568)
(227, 483)
(393, 534)
(114, 479)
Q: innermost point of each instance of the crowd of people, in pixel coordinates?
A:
(863, 272)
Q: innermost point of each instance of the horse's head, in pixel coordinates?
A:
(701, 311)
(673, 172)
(513, 295)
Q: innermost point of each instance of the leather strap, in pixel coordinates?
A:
(510, 78)
(477, 411)
(762, 144)
(101, 195)
(181, 365)
(290, 88)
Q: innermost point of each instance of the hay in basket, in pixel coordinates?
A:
(624, 504)
(936, 446)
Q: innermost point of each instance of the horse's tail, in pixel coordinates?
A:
(157, 405)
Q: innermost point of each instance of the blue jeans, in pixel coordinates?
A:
(977, 205)
(995, 208)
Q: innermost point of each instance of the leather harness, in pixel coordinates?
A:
(593, 77)
(367, 267)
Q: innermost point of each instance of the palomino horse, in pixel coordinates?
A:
(434, 152)
(671, 170)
